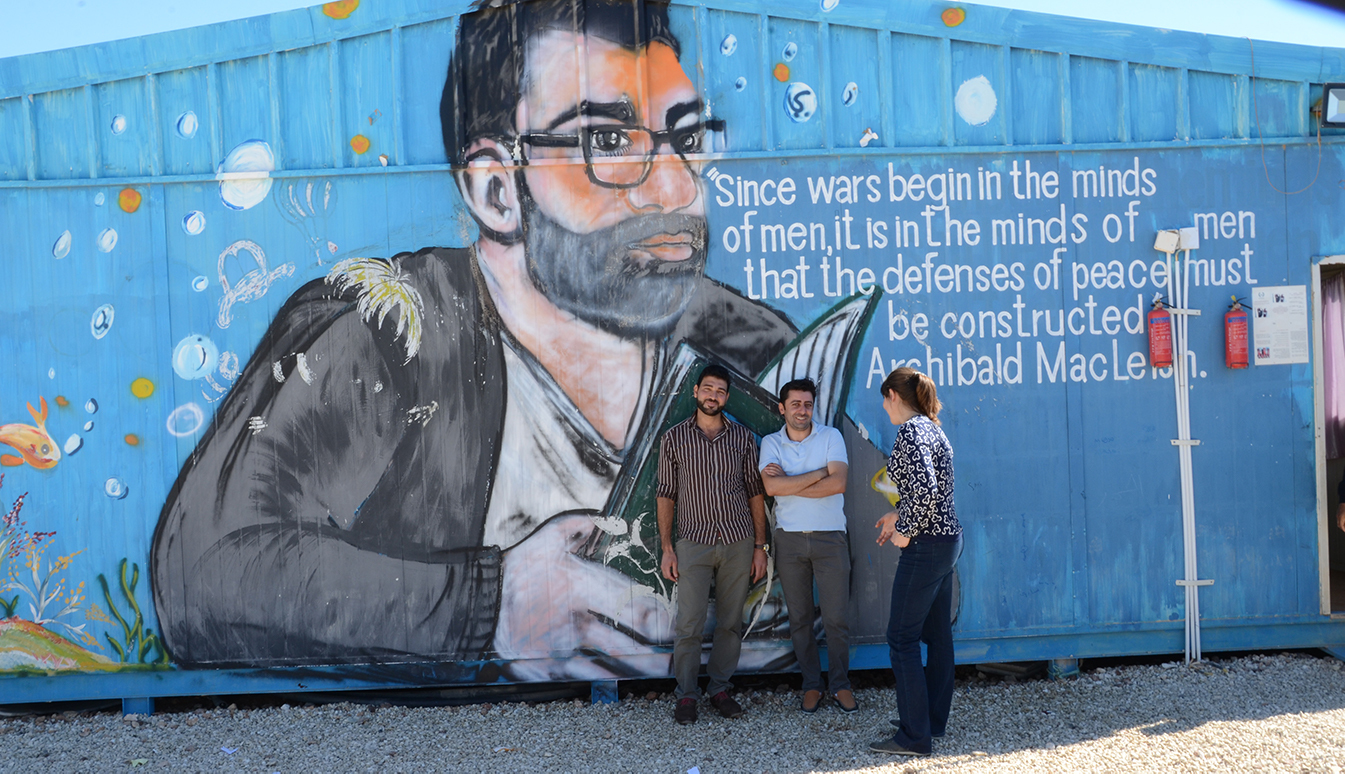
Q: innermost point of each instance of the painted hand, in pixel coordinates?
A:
(554, 601)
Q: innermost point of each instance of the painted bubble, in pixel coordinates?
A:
(800, 102)
(850, 94)
(200, 283)
(51, 373)
(99, 198)
(245, 175)
(359, 143)
(101, 322)
(829, 5)
(118, 124)
(91, 406)
(115, 488)
(73, 444)
(142, 388)
(781, 72)
(62, 247)
(740, 84)
(790, 51)
(187, 124)
(728, 45)
(129, 200)
(194, 223)
(88, 426)
(195, 357)
(132, 439)
(185, 420)
(975, 102)
(107, 239)
(953, 16)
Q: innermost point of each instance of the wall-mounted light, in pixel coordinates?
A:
(1333, 105)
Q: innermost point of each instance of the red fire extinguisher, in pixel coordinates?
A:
(1235, 335)
(1160, 336)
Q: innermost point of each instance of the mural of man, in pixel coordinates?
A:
(374, 491)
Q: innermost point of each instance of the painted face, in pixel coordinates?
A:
(798, 410)
(711, 395)
(613, 235)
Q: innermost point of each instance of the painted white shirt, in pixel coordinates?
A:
(552, 460)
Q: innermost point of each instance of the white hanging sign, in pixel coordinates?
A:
(1280, 325)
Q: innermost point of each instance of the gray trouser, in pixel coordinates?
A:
(729, 565)
(801, 558)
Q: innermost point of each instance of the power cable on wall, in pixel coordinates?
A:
(1262, 140)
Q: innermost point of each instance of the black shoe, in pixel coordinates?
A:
(897, 724)
(685, 714)
(726, 705)
(891, 747)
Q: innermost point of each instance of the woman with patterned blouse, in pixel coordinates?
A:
(925, 527)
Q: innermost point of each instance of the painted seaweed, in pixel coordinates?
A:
(137, 641)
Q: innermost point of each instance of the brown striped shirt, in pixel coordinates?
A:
(710, 480)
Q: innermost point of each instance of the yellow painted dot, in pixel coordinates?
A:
(359, 143)
(132, 439)
(128, 200)
(61, 401)
(953, 16)
(142, 388)
(781, 72)
(341, 9)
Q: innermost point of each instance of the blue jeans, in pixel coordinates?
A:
(922, 610)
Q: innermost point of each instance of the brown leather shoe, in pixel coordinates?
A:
(685, 714)
(845, 699)
(811, 701)
(726, 705)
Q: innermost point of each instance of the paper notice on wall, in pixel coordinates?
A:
(1280, 325)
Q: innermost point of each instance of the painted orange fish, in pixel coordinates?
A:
(34, 444)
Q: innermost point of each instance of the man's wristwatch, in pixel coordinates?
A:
(764, 548)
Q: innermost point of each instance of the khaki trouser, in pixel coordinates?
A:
(730, 567)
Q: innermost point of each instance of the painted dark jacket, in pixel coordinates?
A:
(337, 516)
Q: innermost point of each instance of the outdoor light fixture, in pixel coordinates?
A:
(1333, 105)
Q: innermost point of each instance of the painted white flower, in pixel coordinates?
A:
(383, 287)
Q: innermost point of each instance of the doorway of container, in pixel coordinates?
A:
(1328, 311)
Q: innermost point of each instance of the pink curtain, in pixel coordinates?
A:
(1333, 362)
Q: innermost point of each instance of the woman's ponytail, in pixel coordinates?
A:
(916, 390)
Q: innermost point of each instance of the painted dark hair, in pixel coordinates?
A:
(716, 370)
(915, 389)
(799, 385)
(486, 68)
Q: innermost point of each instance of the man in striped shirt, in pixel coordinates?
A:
(708, 481)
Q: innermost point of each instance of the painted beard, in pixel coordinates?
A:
(597, 278)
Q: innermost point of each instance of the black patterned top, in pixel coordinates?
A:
(921, 466)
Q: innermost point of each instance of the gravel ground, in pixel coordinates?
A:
(1282, 712)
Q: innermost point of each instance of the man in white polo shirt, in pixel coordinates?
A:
(803, 466)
